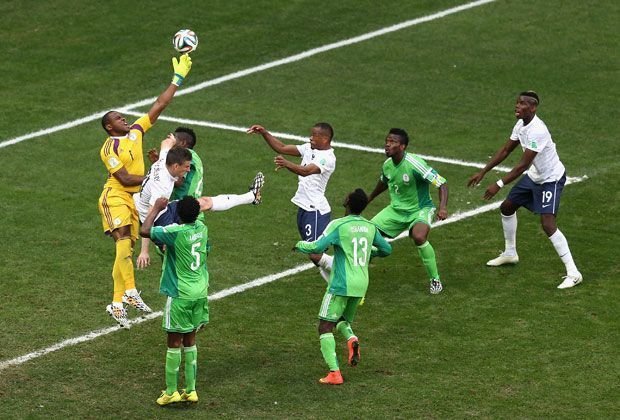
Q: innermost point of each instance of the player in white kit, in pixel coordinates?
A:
(318, 162)
(173, 163)
(539, 190)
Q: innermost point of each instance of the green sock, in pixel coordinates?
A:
(173, 361)
(344, 328)
(427, 253)
(328, 348)
(191, 356)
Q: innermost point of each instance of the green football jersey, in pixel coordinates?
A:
(184, 272)
(409, 182)
(353, 238)
(192, 185)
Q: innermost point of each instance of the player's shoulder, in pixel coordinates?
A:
(539, 125)
(415, 161)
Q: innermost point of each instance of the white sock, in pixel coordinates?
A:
(228, 201)
(326, 262)
(325, 274)
(561, 246)
(509, 223)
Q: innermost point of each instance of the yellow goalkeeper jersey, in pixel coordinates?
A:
(125, 152)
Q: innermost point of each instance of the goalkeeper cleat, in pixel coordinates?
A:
(571, 280)
(119, 314)
(503, 259)
(189, 396)
(256, 186)
(165, 399)
(354, 351)
(136, 301)
(333, 378)
(435, 286)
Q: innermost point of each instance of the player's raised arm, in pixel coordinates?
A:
(181, 69)
(274, 143)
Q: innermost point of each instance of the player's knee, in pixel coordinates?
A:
(508, 208)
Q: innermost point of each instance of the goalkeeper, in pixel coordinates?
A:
(123, 158)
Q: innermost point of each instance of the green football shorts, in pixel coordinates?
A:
(334, 307)
(184, 316)
(393, 222)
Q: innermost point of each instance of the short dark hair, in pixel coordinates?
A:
(401, 134)
(178, 155)
(358, 200)
(186, 135)
(188, 209)
(326, 127)
(531, 94)
(104, 120)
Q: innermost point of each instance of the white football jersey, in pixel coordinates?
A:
(157, 183)
(535, 136)
(310, 194)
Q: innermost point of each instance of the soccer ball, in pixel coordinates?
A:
(185, 41)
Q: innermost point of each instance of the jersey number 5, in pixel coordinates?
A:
(194, 266)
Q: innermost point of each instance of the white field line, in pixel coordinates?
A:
(233, 290)
(336, 144)
(256, 69)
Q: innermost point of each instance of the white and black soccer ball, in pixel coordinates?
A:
(185, 41)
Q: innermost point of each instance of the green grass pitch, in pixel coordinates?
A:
(497, 343)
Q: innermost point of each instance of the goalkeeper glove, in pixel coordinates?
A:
(181, 68)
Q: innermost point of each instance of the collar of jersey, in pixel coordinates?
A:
(118, 137)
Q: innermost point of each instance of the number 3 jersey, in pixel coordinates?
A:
(184, 273)
(353, 238)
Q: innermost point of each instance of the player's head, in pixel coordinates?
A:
(188, 209)
(178, 161)
(321, 136)
(186, 137)
(396, 142)
(356, 202)
(527, 103)
(115, 124)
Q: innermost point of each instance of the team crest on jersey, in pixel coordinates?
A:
(533, 144)
(405, 178)
(113, 162)
(323, 162)
(132, 136)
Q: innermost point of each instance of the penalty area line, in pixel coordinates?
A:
(335, 144)
(457, 217)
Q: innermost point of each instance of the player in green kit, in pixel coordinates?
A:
(355, 240)
(408, 177)
(192, 182)
(184, 281)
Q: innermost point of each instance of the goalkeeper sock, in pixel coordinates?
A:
(344, 328)
(427, 253)
(328, 348)
(561, 247)
(228, 201)
(191, 367)
(122, 273)
(173, 361)
(509, 223)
